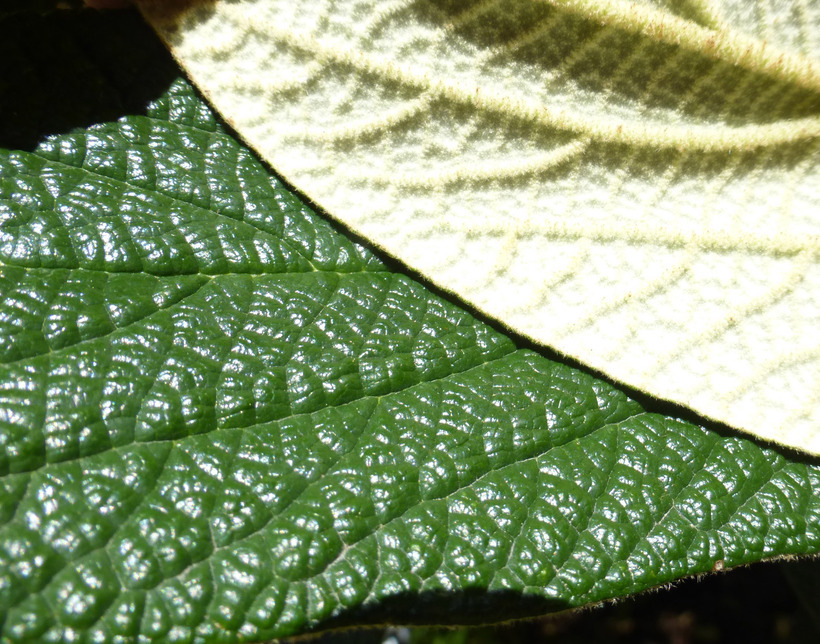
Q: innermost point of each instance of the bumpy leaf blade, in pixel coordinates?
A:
(223, 421)
(631, 183)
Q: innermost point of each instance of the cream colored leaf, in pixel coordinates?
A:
(635, 184)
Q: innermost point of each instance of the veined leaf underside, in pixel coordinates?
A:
(634, 184)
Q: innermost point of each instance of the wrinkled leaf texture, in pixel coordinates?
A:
(222, 420)
(634, 184)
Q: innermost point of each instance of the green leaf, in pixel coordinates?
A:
(222, 420)
(634, 184)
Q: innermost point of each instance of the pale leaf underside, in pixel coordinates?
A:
(631, 184)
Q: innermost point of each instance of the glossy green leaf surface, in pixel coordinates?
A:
(221, 420)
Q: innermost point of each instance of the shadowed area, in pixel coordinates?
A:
(169, 11)
(717, 608)
(69, 69)
(447, 609)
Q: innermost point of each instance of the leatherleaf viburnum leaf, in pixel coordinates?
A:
(635, 184)
(221, 420)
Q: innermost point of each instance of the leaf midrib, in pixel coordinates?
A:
(358, 400)
(295, 499)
